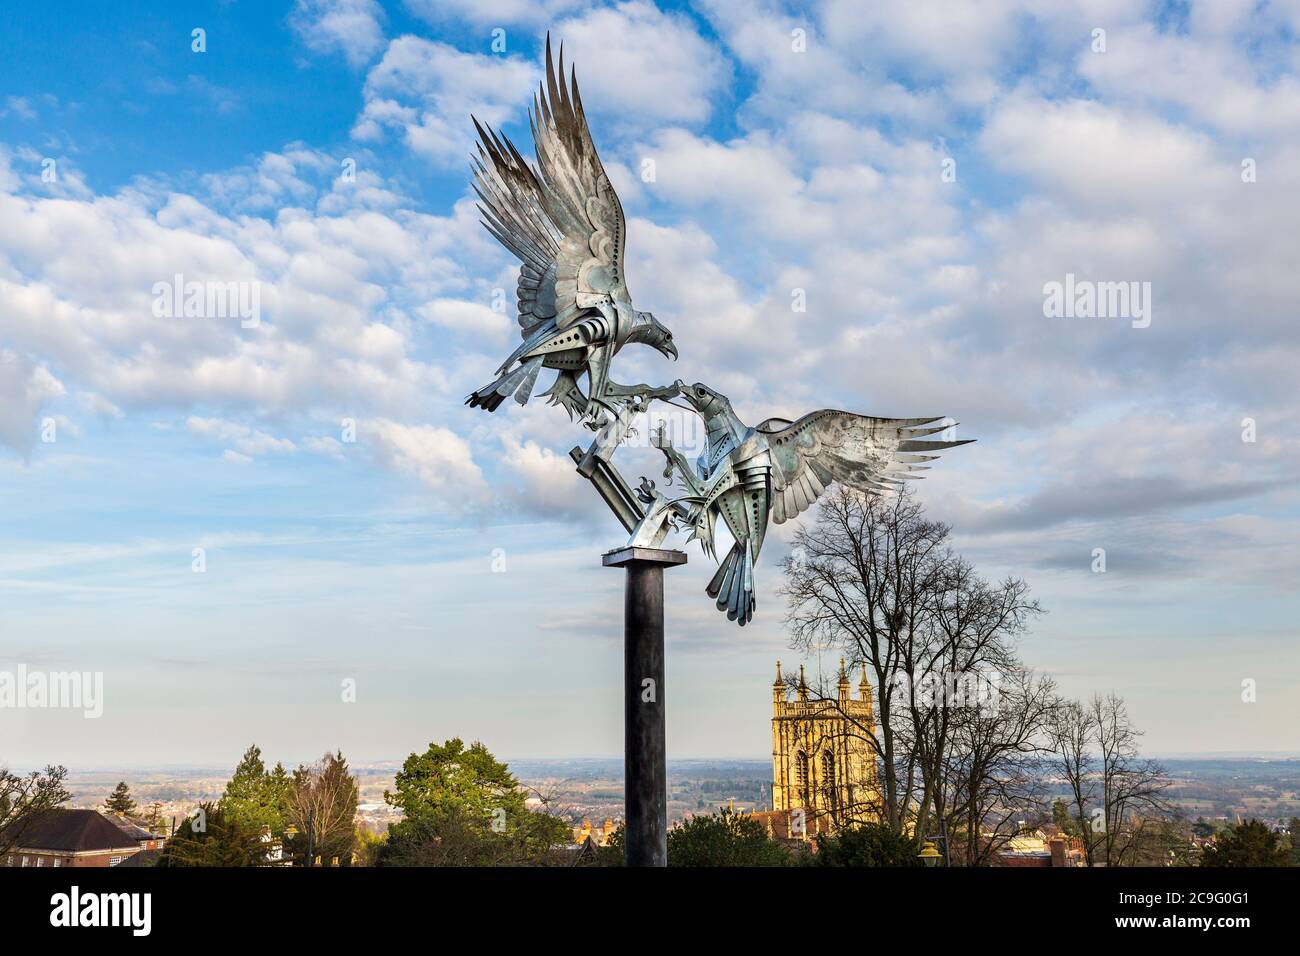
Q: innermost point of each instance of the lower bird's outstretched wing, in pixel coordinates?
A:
(866, 453)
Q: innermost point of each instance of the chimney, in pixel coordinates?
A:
(1057, 844)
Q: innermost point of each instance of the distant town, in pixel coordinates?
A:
(1220, 790)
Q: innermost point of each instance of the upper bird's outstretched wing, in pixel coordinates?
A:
(866, 453)
(562, 218)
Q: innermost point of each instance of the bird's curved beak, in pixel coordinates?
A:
(670, 349)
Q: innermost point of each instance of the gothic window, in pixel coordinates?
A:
(828, 779)
(801, 778)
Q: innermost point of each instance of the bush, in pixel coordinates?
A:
(725, 838)
(870, 844)
(1247, 844)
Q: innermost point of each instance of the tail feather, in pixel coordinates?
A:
(485, 398)
(531, 370)
(520, 381)
(733, 585)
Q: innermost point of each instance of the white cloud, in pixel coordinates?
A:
(247, 442)
(1099, 155)
(429, 90)
(351, 27)
(25, 388)
(1220, 71)
(473, 317)
(437, 456)
(324, 445)
(19, 106)
(637, 64)
(544, 482)
(338, 293)
(491, 12)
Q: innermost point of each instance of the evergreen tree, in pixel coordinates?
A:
(463, 807)
(119, 801)
(212, 838)
(1061, 817)
(1246, 844)
(368, 846)
(1294, 830)
(871, 844)
(256, 798)
(725, 838)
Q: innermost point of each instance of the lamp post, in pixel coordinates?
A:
(930, 854)
(290, 832)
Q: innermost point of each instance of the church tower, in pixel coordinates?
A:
(822, 760)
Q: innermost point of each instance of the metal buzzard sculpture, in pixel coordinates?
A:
(564, 222)
(776, 471)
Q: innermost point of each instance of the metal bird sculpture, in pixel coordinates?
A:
(562, 219)
(774, 472)
(564, 222)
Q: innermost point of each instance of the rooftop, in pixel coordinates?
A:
(76, 831)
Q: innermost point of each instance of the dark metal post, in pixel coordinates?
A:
(644, 746)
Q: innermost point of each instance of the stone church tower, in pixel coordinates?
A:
(822, 760)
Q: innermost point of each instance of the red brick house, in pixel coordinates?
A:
(1046, 846)
(58, 838)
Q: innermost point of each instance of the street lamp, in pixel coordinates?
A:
(930, 855)
(290, 832)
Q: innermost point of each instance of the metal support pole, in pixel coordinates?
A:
(644, 746)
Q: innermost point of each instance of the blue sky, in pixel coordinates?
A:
(776, 170)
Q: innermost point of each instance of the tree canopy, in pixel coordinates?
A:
(211, 837)
(119, 801)
(23, 797)
(870, 844)
(256, 798)
(462, 806)
(725, 838)
(322, 806)
(1247, 844)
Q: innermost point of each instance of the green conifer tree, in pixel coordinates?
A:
(119, 801)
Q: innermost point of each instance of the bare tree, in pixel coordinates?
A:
(1133, 787)
(323, 807)
(991, 770)
(877, 580)
(861, 579)
(956, 670)
(1071, 743)
(25, 797)
(1117, 795)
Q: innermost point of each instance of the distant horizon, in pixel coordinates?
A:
(511, 761)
